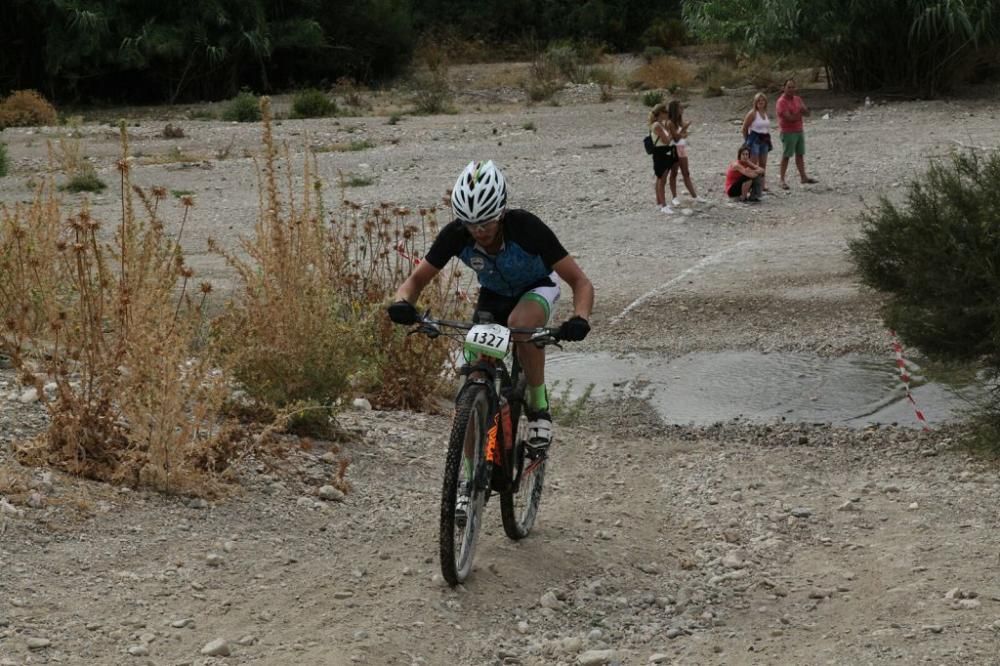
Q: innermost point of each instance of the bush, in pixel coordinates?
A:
(312, 103)
(431, 90)
(663, 72)
(935, 259)
(26, 108)
(4, 160)
(652, 97)
(563, 57)
(951, 219)
(87, 181)
(244, 108)
(543, 80)
(308, 323)
(113, 328)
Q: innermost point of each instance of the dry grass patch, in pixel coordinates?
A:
(353, 146)
(26, 108)
(664, 72)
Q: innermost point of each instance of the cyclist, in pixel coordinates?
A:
(516, 258)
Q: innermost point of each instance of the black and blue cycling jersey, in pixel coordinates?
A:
(525, 260)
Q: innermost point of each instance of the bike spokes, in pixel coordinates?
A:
(464, 493)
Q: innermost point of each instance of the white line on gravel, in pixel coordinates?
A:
(707, 261)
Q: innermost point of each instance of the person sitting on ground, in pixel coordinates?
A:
(744, 179)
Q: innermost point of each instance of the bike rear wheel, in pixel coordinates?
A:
(465, 467)
(519, 509)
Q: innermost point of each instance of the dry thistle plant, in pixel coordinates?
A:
(374, 250)
(105, 332)
(288, 334)
(308, 323)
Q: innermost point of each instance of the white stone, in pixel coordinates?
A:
(8, 509)
(361, 404)
(596, 657)
(549, 600)
(330, 494)
(29, 396)
(217, 648)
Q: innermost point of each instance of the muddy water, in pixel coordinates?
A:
(704, 388)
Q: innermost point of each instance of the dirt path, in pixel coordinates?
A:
(784, 544)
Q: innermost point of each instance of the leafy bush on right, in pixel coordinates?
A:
(26, 108)
(935, 256)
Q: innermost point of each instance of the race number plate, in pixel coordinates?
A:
(488, 339)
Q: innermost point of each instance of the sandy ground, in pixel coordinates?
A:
(739, 544)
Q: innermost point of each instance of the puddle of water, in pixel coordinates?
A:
(704, 388)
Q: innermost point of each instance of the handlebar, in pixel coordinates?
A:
(540, 337)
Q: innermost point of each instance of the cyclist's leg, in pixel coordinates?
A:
(533, 310)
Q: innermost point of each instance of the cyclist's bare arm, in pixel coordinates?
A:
(413, 285)
(583, 289)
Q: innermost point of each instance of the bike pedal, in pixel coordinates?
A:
(534, 453)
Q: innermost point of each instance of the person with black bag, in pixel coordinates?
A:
(658, 144)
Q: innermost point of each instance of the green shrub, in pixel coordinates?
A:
(4, 161)
(431, 93)
(85, 180)
(312, 103)
(935, 258)
(652, 97)
(713, 91)
(244, 108)
(565, 59)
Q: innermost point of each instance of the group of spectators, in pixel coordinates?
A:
(746, 176)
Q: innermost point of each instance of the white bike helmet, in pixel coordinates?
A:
(480, 193)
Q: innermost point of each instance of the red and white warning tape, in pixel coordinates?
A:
(461, 293)
(904, 376)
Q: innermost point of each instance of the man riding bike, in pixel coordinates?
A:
(516, 258)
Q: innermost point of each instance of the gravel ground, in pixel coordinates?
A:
(735, 544)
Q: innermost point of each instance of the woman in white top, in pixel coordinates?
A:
(757, 132)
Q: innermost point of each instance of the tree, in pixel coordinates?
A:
(864, 44)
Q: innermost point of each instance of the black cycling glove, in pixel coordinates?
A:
(403, 312)
(573, 329)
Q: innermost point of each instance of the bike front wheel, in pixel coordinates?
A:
(464, 476)
(519, 509)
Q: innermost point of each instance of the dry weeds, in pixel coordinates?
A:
(105, 333)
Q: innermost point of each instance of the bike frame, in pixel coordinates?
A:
(484, 372)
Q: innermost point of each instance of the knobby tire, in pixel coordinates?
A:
(518, 511)
(456, 564)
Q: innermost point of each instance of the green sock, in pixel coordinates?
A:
(467, 465)
(538, 398)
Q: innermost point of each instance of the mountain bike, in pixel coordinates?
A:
(487, 449)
